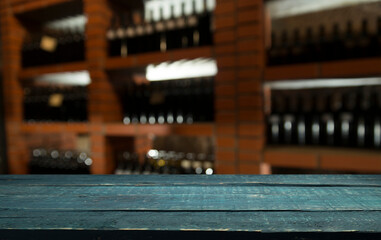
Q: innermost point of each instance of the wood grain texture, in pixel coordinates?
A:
(143, 207)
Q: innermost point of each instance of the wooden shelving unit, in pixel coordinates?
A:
(78, 128)
(141, 60)
(320, 158)
(203, 129)
(238, 131)
(235, 36)
(57, 68)
(362, 161)
(22, 6)
(334, 69)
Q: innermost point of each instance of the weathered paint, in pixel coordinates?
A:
(297, 206)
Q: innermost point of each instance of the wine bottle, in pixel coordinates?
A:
(273, 51)
(172, 33)
(336, 49)
(301, 121)
(322, 47)
(149, 33)
(171, 102)
(315, 124)
(112, 37)
(296, 48)
(309, 52)
(363, 41)
(183, 28)
(127, 36)
(349, 42)
(139, 32)
(375, 115)
(274, 121)
(284, 49)
(289, 121)
(378, 37)
(161, 38)
(193, 27)
(205, 26)
(120, 36)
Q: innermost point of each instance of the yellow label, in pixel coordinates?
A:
(56, 100)
(161, 163)
(48, 44)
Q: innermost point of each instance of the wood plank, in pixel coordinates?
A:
(185, 234)
(141, 60)
(59, 68)
(203, 129)
(296, 71)
(336, 69)
(143, 207)
(55, 127)
(357, 160)
(265, 222)
(25, 6)
(351, 68)
(192, 198)
(189, 180)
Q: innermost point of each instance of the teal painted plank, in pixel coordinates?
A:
(252, 180)
(319, 203)
(193, 198)
(211, 221)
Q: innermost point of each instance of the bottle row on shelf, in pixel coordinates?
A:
(172, 101)
(44, 161)
(55, 44)
(52, 104)
(129, 34)
(165, 162)
(349, 118)
(311, 45)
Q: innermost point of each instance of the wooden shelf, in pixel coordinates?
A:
(57, 68)
(344, 68)
(201, 129)
(23, 6)
(79, 128)
(144, 59)
(356, 160)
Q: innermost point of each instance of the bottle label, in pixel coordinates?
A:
(160, 26)
(139, 30)
(130, 32)
(192, 21)
(120, 33)
(171, 25)
(163, 44)
(110, 35)
(48, 44)
(149, 29)
(196, 38)
(180, 22)
(56, 100)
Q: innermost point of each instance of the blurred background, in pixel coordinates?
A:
(190, 87)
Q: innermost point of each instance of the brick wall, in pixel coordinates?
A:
(239, 113)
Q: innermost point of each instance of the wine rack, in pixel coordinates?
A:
(55, 104)
(54, 35)
(129, 34)
(43, 161)
(164, 162)
(338, 117)
(237, 122)
(326, 34)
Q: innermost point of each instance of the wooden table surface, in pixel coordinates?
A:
(190, 207)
